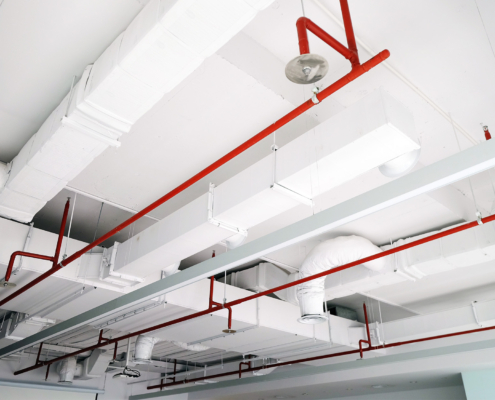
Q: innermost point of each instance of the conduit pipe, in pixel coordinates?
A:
(356, 72)
(213, 306)
(325, 256)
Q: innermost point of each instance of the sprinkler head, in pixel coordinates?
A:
(306, 69)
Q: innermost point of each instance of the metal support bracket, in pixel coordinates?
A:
(314, 98)
(479, 218)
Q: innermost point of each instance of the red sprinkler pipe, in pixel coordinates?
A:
(53, 259)
(343, 353)
(368, 342)
(354, 74)
(212, 307)
(247, 363)
(487, 133)
(304, 24)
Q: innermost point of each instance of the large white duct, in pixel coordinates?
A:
(328, 255)
(67, 370)
(377, 129)
(143, 349)
(165, 43)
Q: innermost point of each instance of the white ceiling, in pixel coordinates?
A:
(43, 44)
(441, 47)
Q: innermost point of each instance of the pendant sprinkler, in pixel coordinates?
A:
(310, 68)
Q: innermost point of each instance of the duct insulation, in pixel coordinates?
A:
(144, 348)
(67, 370)
(191, 347)
(327, 255)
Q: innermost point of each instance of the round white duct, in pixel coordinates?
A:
(400, 165)
(67, 370)
(235, 241)
(327, 255)
(171, 269)
(192, 347)
(143, 349)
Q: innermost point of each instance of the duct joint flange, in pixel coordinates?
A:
(215, 221)
(110, 263)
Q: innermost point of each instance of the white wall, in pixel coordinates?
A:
(443, 393)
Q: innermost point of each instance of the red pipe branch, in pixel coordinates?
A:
(354, 74)
(53, 259)
(304, 24)
(215, 307)
(343, 353)
(368, 342)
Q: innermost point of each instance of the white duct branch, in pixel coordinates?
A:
(191, 347)
(328, 255)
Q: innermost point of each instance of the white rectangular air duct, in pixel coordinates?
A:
(369, 133)
(165, 43)
(463, 249)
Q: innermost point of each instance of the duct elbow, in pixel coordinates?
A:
(144, 348)
(326, 256)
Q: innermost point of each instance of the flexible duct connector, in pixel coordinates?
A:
(143, 349)
(171, 269)
(327, 255)
(192, 347)
(67, 369)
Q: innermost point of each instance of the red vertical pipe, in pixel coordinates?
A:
(61, 233)
(39, 354)
(349, 31)
(487, 133)
(302, 36)
(115, 351)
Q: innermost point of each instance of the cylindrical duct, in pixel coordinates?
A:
(67, 369)
(327, 255)
(143, 349)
